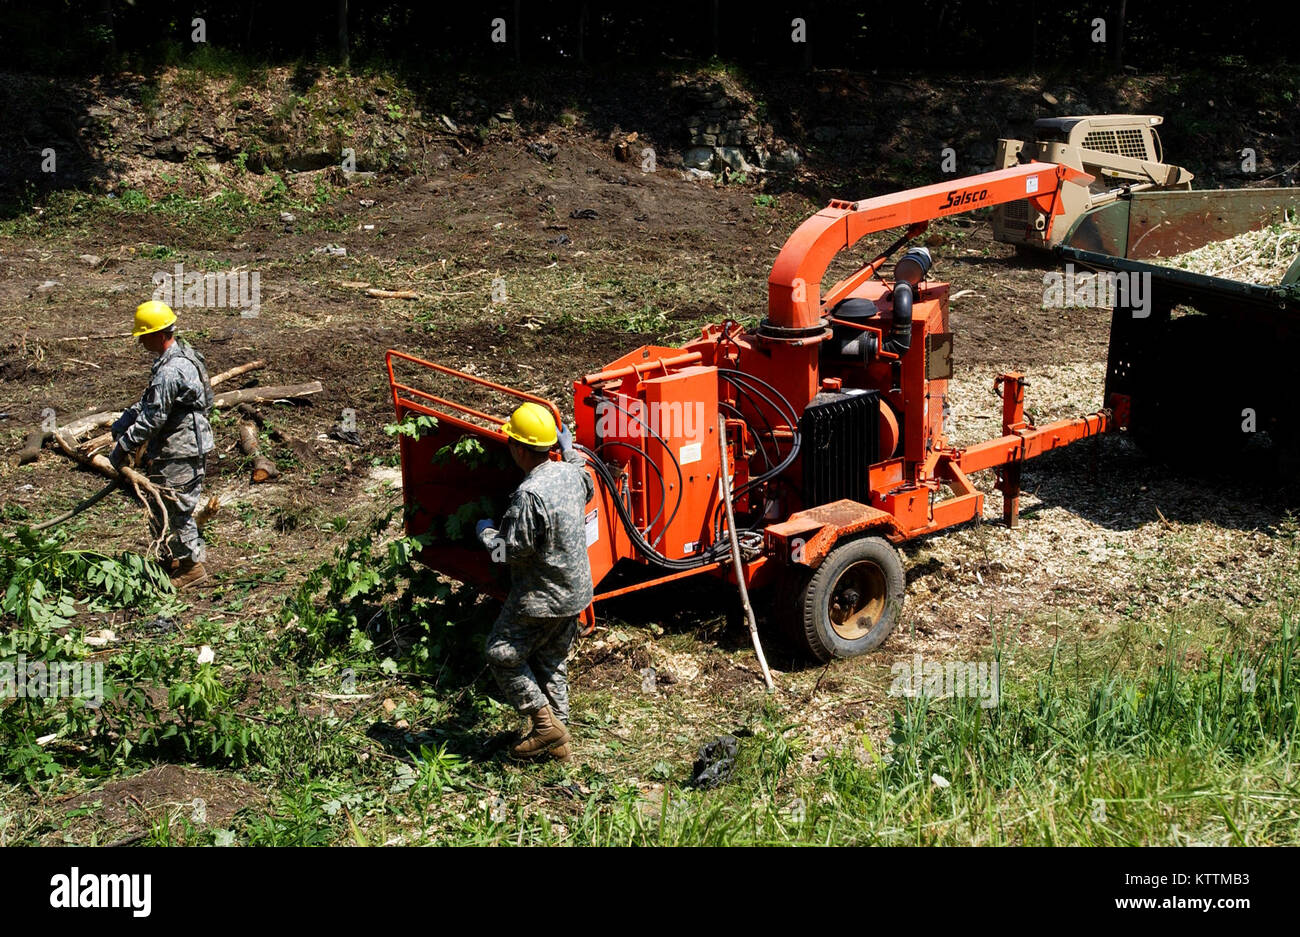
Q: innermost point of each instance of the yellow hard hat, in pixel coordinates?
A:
(532, 425)
(153, 316)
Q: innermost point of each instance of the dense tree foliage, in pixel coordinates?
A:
(922, 35)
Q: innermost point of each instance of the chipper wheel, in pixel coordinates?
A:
(849, 604)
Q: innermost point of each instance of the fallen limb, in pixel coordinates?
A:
(31, 449)
(392, 294)
(235, 372)
(96, 443)
(265, 394)
(84, 424)
(141, 484)
(264, 469)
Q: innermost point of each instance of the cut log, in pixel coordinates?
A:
(83, 425)
(301, 449)
(264, 394)
(32, 446)
(264, 469)
(235, 372)
(96, 443)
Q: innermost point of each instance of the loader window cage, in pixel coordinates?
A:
(407, 398)
(1124, 141)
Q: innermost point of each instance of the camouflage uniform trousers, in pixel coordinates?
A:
(529, 658)
(184, 478)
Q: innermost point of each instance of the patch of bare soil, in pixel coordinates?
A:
(127, 810)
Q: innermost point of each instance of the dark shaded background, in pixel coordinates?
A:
(930, 36)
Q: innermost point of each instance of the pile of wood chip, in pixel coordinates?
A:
(1254, 257)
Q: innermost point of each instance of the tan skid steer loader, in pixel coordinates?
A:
(1138, 206)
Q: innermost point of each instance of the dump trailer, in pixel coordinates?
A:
(829, 414)
(1203, 373)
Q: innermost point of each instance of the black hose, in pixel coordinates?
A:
(663, 486)
(81, 506)
(900, 336)
(667, 449)
(705, 558)
(792, 418)
(739, 379)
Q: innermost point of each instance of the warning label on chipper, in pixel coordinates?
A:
(593, 528)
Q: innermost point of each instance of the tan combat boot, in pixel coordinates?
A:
(187, 574)
(549, 736)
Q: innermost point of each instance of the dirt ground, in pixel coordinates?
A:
(1104, 531)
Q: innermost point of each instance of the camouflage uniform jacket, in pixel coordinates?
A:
(172, 415)
(544, 535)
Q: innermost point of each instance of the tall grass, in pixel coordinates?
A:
(1200, 753)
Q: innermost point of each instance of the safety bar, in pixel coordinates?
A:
(494, 421)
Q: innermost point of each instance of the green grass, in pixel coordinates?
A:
(1173, 729)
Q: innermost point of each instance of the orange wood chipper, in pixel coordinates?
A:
(831, 411)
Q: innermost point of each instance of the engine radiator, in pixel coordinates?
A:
(840, 442)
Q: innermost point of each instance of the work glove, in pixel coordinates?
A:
(566, 438)
(482, 526)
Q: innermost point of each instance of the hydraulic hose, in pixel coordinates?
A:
(668, 450)
(705, 558)
(663, 487)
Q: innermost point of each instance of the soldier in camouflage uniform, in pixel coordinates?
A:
(171, 421)
(543, 538)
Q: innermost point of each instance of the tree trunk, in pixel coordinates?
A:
(106, 19)
(518, 35)
(582, 33)
(345, 56)
(1119, 35)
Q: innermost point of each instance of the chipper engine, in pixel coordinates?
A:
(830, 410)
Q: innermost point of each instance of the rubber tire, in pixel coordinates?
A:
(809, 597)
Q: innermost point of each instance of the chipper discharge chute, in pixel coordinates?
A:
(830, 412)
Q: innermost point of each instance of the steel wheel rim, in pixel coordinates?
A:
(857, 600)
